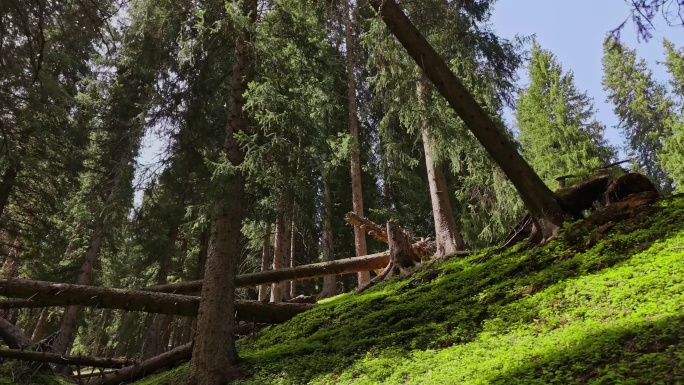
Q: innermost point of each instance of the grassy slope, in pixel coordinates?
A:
(601, 305)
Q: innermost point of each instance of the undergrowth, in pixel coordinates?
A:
(600, 305)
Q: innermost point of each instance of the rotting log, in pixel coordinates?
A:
(147, 367)
(98, 362)
(315, 270)
(13, 336)
(61, 294)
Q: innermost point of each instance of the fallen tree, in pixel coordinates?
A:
(97, 362)
(13, 336)
(147, 367)
(340, 266)
(61, 294)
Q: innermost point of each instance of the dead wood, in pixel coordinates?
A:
(98, 362)
(147, 367)
(60, 294)
(13, 336)
(366, 225)
(402, 258)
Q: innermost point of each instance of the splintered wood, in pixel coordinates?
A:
(421, 248)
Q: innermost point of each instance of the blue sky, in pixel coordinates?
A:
(574, 32)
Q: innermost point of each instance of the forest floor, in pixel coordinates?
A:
(602, 305)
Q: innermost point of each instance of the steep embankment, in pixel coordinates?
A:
(603, 304)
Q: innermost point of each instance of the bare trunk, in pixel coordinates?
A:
(214, 353)
(12, 335)
(265, 260)
(67, 328)
(25, 355)
(539, 200)
(327, 241)
(315, 270)
(291, 260)
(9, 179)
(447, 238)
(277, 288)
(154, 337)
(44, 294)
(350, 12)
(147, 367)
(41, 326)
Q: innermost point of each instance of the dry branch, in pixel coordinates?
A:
(61, 294)
(367, 226)
(25, 355)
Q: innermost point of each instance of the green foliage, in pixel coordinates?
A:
(642, 107)
(600, 305)
(559, 133)
(14, 372)
(671, 157)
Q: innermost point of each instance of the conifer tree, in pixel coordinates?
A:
(642, 107)
(671, 157)
(559, 133)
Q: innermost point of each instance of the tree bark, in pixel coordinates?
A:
(278, 258)
(60, 294)
(291, 260)
(214, 353)
(265, 261)
(350, 12)
(322, 269)
(447, 238)
(12, 335)
(327, 241)
(153, 344)
(9, 179)
(41, 326)
(538, 198)
(98, 362)
(147, 367)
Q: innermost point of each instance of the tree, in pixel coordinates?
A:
(671, 157)
(214, 353)
(642, 107)
(539, 200)
(559, 132)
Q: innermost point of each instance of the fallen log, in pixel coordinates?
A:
(97, 362)
(340, 266)
(367, 226)
(13, 336)
(61, 294)
(147, 367)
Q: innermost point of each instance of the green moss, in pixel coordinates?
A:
(600, 305)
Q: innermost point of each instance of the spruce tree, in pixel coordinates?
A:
(642, 107)
(559, 132)
(671, 158)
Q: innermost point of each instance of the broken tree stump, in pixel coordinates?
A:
(402, 258)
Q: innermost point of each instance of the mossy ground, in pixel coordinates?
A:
(601, 305)
(15, 373)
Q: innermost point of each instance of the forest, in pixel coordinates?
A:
(331, 173)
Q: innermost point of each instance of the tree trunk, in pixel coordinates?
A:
(315, 270)
(350, 13)
(149, 366)
(67, 328)
(291, 260)
(538, 198)
(42, 326)
(277, 288)
(98, 362)
(45, 294)
(265, 260)
(154, 344)
(214, 353)
(327, 241)
(12, 335)
(9, 179)
(447, 238)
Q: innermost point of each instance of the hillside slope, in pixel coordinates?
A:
(603, 304)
